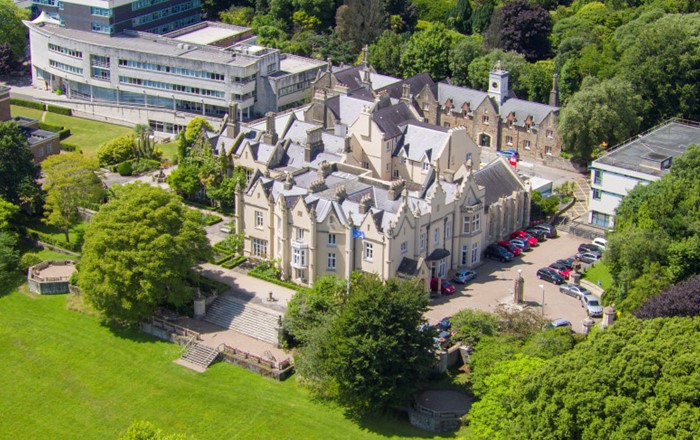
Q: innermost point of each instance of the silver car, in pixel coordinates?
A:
(574, 290)
(592, 306)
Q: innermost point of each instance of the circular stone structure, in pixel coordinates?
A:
(439, 410)
(50, 277)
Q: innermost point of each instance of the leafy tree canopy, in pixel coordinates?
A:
(117, 150)
(138, 250)
(428, 51)
(372, 354)
(70, 182)
(18, 173)
(682, 299)
(523, 27)
(385, 54)
(12, 30)
(308, 308)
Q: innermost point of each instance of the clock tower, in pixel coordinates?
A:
(498, 83)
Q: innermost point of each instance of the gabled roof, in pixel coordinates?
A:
(460, 95)
(417, 82)
(348, 108)
(350, 76)
(390, 118)
(522, 109)
(498, 180)
(421, 139)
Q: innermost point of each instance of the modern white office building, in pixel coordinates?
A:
(166, 80)
(641, 160)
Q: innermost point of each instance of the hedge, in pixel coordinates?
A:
(222, 248)
(223, 259)
(233, 262)
(210, 219)
(48, 238)
(28, 104)
(287, 284)
(64, 133)
(50, 127)
(66, 146)
(60, 110)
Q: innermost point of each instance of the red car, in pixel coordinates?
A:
(512, 248)
(446, 288)
(561, 269)
(525, 236)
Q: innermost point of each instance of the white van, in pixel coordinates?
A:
(600, 242)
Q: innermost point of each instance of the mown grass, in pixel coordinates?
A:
(599, 272)
(85, 133)
(64, 375)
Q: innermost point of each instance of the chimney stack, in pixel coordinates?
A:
(406, 93)
(554, 94)
(233, 126)
(314, 143)
(270, 136)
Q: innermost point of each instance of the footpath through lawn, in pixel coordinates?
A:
(65, 376)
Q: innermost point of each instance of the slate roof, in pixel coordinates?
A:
(408, 267)
(438, 254)
(523, 109)
(460, 95)
(420, 138)
(390, 118)
(417, 82)
(348, 108)
(498, 180)
(350, 76)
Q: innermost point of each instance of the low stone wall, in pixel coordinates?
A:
(48, 285)
(448, 359)
(563, 164)
(430, 422)
(258, 368)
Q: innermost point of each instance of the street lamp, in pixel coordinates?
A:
(542, 287)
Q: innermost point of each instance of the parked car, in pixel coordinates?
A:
(539, 234)
(508, 154)
(592, 306)
(600, 242)
(550, 275)
(463, 276)
(446, 288)
(521, 243)
(525, 236)
(568, 262)
(588, 257)
(549, 229)
(558, 323)
(498, 253)
(510, 247)
(589, 247)
(574, 290)
(561, 269)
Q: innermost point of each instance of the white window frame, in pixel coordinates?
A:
(331, 261)
(259, 247)
(299, 235)
(448, 230)
(259, 222)
(422, 241)
(476, 222)
(404, 247)
(475, 252)
(368, 252)
(465, 254)
(332, 240)
(436, 235)
(466, 223)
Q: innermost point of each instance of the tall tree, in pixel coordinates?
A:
(462, 54)
(12, 30)
(481, 17)
(372, 354)
(460, 17)
(601, 113)
(18, 173)
(385, 53)
(138, 251)
(523, 27)
(428, 51)
(682, 299)
(360, 21)
(70, 182)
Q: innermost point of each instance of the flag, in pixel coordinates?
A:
(356, 233)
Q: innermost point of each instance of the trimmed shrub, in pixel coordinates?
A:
(59, 110)
(143, 165)
(64, 133)
(67, 146)
(49, 239)
(50, 127)
(211, 219)
(28, 104)
(29, 260)
(124, 169)
(116, 151)
(233, 262)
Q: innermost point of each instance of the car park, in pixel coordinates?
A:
(499, 253)
(568, 262)
(588, 257)
(525, 236)
(463, 276)
(539, 234)
(600, 242)
(589, 247)
(561, 322)
(550, 230)
(446, 288)
(592, 306)
(510, 247)
(550, 275)
(509, 154)
(522, 244)
(561, 269)
(574, 290)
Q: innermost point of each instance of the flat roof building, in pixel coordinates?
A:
(640, 160)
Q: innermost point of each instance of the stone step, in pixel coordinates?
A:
(201, 355)
(246, 318)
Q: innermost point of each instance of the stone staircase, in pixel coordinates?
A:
(200, 355)
(244, 317)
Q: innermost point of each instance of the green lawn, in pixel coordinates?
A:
(65, 376)
(599, 271)
(75, 233)
(169, 149)
(85, 133)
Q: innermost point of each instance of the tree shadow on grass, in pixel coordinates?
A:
(393, 422)
(11, 283)
(132, 333)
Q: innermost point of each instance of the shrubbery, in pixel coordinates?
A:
(28, 104)
(125, 169)
(29, 260)
(116, 151)
(59, 110)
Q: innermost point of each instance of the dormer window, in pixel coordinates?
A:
(426, 166)
(485, 119)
